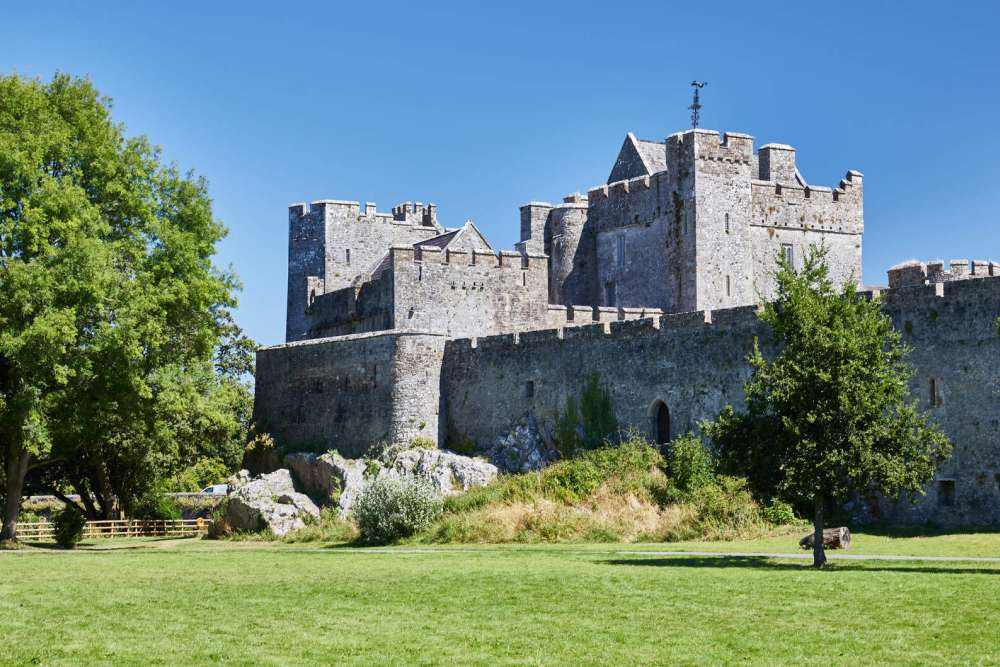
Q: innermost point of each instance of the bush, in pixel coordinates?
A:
(422, 442)
(689, 463)
(588, 426)
(68, 524)
(154, 505)
(202, 473)
(780, 513)
(391, 508)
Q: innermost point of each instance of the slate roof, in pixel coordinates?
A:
(439, 241)
(653, 154)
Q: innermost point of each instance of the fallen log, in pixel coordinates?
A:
(833, 538)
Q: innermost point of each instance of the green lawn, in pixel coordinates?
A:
(198, 602)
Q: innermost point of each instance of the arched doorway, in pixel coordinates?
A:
(661, 422)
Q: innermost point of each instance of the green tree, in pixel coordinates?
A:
(110, 307)
(829, 415)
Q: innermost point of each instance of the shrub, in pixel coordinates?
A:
(567, 437)
(779, 513)
(68, 525)
(154, 505)
(689, 463)
(202, 473)
(391, 508)
(590, 425)
(423, 442)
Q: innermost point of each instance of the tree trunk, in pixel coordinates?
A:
(88, 501)
(819, 555)
(17, 468)
(66, 501)
(109, 502)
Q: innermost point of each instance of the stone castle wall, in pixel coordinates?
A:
(333, 241)
(800, 216)
(695, 363)
(349, 393)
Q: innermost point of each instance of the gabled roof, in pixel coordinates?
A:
(440, 241)
(466, 237)
(638, 157)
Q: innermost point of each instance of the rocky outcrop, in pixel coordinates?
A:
(269, 502)
(447, 471)
(331, 476)
(521, 450)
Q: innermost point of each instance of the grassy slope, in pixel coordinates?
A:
(199, 602)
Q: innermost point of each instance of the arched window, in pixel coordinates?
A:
(660, 415)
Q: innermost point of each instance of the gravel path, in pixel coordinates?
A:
(808, 556)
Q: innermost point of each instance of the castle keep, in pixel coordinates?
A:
(398, 326)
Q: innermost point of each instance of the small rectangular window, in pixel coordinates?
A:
(946, 492)
(621, 252)
(788, 253)
(729, 288)
(530, 389)
(727, 223)
(609, 294)
(347, 256)
(934, 393)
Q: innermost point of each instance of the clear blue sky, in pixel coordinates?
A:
(481, 107)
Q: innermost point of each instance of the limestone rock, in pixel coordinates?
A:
(449, 472)
(521, 450)
(329, 475)
(267, 502)
(332, 476)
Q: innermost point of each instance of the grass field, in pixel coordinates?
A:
(197, 602)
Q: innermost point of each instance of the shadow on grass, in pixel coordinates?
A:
(883, 530)
(764, 563)
(110, 544)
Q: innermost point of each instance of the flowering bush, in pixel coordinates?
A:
(391, 508)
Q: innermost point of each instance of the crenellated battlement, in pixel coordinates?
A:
(416, 213)
(701, 144)
(345, 210)
(503, 259)
(619, 188)
(913, 272)
(648, 322)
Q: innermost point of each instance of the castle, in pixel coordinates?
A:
(399, 327)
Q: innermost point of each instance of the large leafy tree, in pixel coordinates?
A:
(829, 414)
(110, 306)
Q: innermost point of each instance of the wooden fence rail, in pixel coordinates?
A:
(45, 530)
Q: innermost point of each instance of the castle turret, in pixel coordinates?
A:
(534, 216)
(306, 264)
(570, 253)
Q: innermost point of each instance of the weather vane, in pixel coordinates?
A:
(696, 107)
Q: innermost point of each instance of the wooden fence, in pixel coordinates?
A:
(44, 530)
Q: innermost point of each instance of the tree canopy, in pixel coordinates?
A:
(828, 415)
(111, 310)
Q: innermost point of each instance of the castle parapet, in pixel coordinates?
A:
(913, 272)
(416, 213)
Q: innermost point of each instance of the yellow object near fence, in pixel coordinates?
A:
(44, 530)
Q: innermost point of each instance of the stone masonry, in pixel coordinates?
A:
(399, 327)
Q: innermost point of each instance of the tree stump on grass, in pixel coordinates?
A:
(833, 538)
